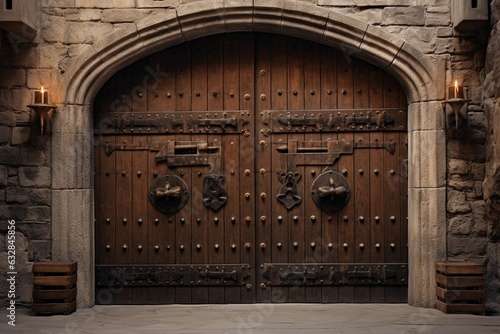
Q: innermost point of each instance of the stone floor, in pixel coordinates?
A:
(259, 318)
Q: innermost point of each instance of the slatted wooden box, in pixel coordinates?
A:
(460, 287)
(54, 287)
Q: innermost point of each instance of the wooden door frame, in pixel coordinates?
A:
(423, 78)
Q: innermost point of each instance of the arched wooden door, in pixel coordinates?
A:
(246, 167)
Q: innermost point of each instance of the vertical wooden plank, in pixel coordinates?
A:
(330, 234)
(247, 161)
(313, 216)
(161, 233)
(279, 221)
(296, 92)
(377, 181)
(199, 214)
(347, 220)
(392, 214)
(182, 219)
(263, 213)
(216, 222)
(231, 162)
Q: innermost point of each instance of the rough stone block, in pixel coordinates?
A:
(157, 3)
(33, 157)
(42, 197)
(461, 225)
(54, 29)
(34, 230)
(37, 177)
(12, 77)
(38, 214)
(437, 19)
(40, 250)
(9, 156)
(124, 15)
(469, 247)
(20, 135)
(105, 4)
(456, 166)
(50, 52)
(3, 176)
(459, 149)
(83, 15)
(7, 118)
(457, 202)
(4, 134)
(406, 16)
(16, 212)
(17, 196)
(86, 32)
(58, 3)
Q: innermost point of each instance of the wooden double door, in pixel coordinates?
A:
(245, 168)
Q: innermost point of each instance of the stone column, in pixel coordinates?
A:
(73, 195)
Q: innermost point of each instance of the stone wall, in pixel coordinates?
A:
(491, 185)
(72, 27)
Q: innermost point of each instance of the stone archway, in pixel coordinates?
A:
(421, 76)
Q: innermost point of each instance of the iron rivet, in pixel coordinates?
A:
(280, 93)
(169, 247)
(359, 91)
(393, 171)
(247, 97)
(157, 220)
(200, 174)
(313, 218)
(344, 171)
(361, 172)
(263, 195)
(263, 219)
(198, 93)
(346, 218)
(377, 219)
(247, 245)
(215, 94)
(247, 195)
(233, 220)
(262, 142)
(140, 221)
(330, 245)
(157, 248)
(263, 97)
(263, 171)
(139, 173)
(313, 172)
(182, 174)
(263, 286)
(346, 245)
(393, 219)
(248, 219)
(313, 245)
(140, 95)
(295, 93)
(108, 220)
(279, 245)
(139, 247)
(393, 245)
(280, 219)
(216, 220)
(233, 246)
(198, 220)
(262, 72)
(107, 173)
(376, 171)
(181, 94)
(295, 244)
(182, 247)
(361, 219)
(169, 95)
(361, 245)
(295, 218)
(155, 94)
(344, 92)
(329, 218)
(377, 246)
(312, 92)
(216, 246)
(124, 220)
(124, 246)
(124, 173)
(233, 172)
(263, 246)
(247, 172)
(329, 92)
(108, 247)
(231, 94)
(155, 174)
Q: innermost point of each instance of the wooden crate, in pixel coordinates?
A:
(54, 287)
(460, 287)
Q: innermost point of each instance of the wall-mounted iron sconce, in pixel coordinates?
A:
(456, 100)
(42, 107)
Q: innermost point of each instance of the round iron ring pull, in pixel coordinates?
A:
(331, 191)
(168, 193)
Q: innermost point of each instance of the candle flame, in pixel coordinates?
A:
(456, 84)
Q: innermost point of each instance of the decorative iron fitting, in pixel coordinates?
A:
(173, 275)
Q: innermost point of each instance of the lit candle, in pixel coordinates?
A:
(456, 91)
(41, 96)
